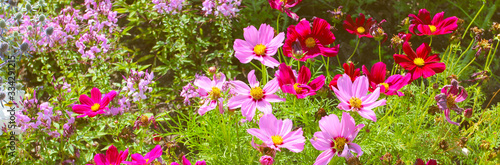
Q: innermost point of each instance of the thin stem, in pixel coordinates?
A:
(355, 48)
(465, 51)
(298, 65)
(466, 66)
(256, 66)
(430, 43)
(326, 66)
(339, 61)
(473, 19)
(379, 53)
(264, 73)
(494, 52)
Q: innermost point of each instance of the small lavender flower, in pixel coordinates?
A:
(450, 95)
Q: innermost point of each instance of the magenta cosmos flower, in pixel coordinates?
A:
(259, 45)
(138, 159)
(430, 162)
(93, 105)
(278, 134)
(112, 157)
(361, 27)
(303, 43)
(389, 86)
(299, 86)
(211, 92)
(353, 96)
(335, 138)
(437, 26)
(419, 64)
(450, 95)
(187, 162)
(254, 97)
(284, 6)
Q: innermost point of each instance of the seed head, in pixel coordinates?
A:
(49, 30)
(18, 16)
(3, 25)
(2, 95)
(24, 47)
(3, 47)
(28, 7)
(41, 18)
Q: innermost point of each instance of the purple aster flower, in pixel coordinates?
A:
(450, 95)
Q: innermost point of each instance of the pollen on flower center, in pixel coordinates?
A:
(433, 28)
(450, 100)
(355, 102)
(310, 42)
(386, 86)
(256, 93)
(95, 107)
(340, 143)
(259, 49)
(419, 61)
(277, 139)
(297, 88)
(215, 93)
(361, 30)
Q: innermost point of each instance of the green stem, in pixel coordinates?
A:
(256, 67)
(355, 48)
(338, 60)
(459, 57)
(466, 66)
(298, 65)
(467, 29)
(491, 59)
(326, 66)
(264, 74)
(430, 43)
(379, 53)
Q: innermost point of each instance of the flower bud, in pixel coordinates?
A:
(2, 95)
(24, 47)
(266, 160)
(495, 28)
(297, 50)
(212, 69)
(30, 28)
(3, 47)
(28, 7)
(3, 25)
(49, 30)
(468, 113)
(41, 18)
(18, 16)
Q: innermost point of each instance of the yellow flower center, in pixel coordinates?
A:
(361, 30)
(277, 139)
(433, 28)
(215, 93)
(450, 100)
(259, 49)
(355, 102)
(284, 1)
(297, 88)
(386, 86)
(340, 143)
(95, 107)
(419, 61)
(147, 160)
(310, 42)
(256, 93)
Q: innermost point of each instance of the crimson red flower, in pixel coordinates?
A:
(284, 7)
(436, 26)
(361, 27)
(303, 43)
(349, 70)
(299, 86)
(389, 86)
(419, 64)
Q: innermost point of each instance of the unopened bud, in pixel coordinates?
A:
(3, 25)
(41, 18)
(30, 28)
(49, 30)
(2, 95)
(24, 47)
(468, 113)
(3, 47)
(266, 160)
(297, 50)
(18, 16)
(28, 7)
(212, 69)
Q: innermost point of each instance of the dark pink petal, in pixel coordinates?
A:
(436, 67)
(107, 98)
(185, 161)
(303, 28)
(84, 99)
(304, 75)
(409, 51)
(112, 154)
(360, 20)
(437, 18)
(447, 115)
(423, 51)
(291, 14)
(202, 162)
(424, 16)
(317, 83)
(81, 109)
(95, 95)
(100, 159)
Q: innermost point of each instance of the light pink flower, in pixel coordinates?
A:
(335, 138)
(259, 45)
(211, 92)
(254, 97)
(278, 134)
(354, 96)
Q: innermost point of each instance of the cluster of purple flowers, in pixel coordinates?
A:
(137, 84)
(228, 8)
(168, 6)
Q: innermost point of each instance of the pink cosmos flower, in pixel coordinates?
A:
(112, 157)
(278, 134)
(449, 96)
(437, 26)
(389, 86)
(303, 43)
(138, 159)
(211, 92)
(430, 162)
(259, 45)
(419, 64)
(266, 160)
(187, 162)
(353, 96)
(299, 86)
(254, 97)
(284, 6)
(335, 138)
(94, 105)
